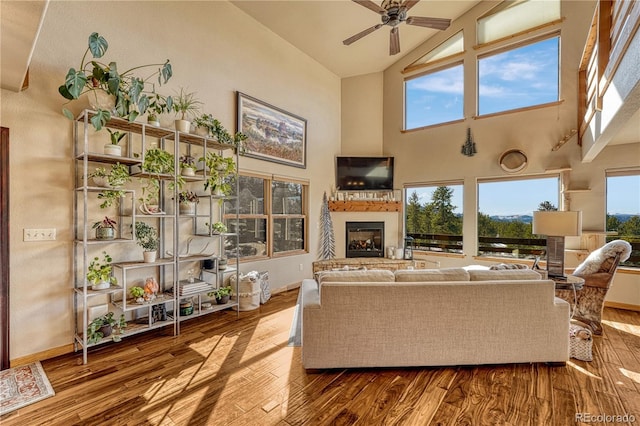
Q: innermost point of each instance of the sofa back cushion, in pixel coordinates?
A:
(507, 274)
(370, 275)
(424, 275)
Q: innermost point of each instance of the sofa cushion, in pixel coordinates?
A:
(502, 266)
(422, 275)
(371, 275)
(506, 274)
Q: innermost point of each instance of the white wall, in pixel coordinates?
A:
(215, 50)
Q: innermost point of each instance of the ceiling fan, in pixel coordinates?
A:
(393, 13)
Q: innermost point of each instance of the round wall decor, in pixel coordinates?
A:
(513, 161)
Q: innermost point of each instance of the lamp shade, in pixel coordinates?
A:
(557, 223)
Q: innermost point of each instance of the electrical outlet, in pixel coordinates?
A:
(46, 234)
(300, 267)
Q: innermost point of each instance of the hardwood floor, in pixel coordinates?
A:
(227, 371)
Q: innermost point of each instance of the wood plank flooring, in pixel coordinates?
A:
(229, 370)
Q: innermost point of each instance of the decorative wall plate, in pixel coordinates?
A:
(513, 161)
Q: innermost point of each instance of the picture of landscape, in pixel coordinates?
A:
(272, 134)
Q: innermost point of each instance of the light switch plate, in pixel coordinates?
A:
(45, 234)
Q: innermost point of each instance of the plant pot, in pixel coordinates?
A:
(101, 285)
(187, 207)
(222, 300)
(149, 256)
(106, 330)
(188, 171)
(183, 125)
(217, 192)
(201, 131)
(111, 149)
(101, 181)
(222, 264)
(99, 99)
(105, 233)
(153, 122)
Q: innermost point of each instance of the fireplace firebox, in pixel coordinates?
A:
(365, 239)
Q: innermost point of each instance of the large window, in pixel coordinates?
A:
(521, 77)
(623, 211)
(272, 216)
(433, 217)
(505, 212)
(434, 98)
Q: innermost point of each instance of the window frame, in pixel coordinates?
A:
(269, 216)
(609, 237)
(435, 69)
(511, 47)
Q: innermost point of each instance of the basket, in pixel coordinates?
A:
(580, 343)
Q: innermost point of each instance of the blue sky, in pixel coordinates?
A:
(514, 79)
(623, 194)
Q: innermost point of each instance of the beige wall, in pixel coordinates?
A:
(362, 115)
(225, 51)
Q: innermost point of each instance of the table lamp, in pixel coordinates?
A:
(556, 225)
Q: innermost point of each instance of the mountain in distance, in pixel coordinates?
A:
(527, 218)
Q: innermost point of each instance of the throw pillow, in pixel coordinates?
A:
(507, 274)
(371, 275)
(502, 266)
(422, 275)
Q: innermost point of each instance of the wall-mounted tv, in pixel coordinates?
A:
(364, 173)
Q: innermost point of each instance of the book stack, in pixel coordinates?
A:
(186, 288)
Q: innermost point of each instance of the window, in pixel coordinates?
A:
(623, 211)
(434, 98)
(433, 217)
(449, 48)
(505, 212)
(525, 76)
(272, 216)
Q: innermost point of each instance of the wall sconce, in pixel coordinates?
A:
(469, 147)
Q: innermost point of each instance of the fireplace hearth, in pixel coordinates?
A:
(364, 239)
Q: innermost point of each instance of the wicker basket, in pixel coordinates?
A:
(580, 343)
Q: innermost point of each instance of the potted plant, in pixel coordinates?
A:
(220, 168)
(113, 148)
(216, 228)
(105, 229)
(137, 293)
(100, 328)
(187, 201)
(185, 104)
(188, 165)
(99, 272)
(115, 178)
(158, 105)
(221, 294)
(156, 162)
(206, 125)
(125, 92)
(147, 238)
(118, 328)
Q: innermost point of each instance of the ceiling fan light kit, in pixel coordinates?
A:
(393, 13)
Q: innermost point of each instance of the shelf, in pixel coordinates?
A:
(365, 206)
(141, 264)
(90, 292)
(136, 171)
(136, 127)
(214, 308)
(132, 305)
(115, 240)
(110, 159)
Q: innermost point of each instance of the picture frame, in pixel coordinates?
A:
(273, 134)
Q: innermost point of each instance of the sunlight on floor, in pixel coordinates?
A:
(627, 328)
(633, 375)
(582, 370)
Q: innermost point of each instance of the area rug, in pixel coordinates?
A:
(24, 385)
(295, 335)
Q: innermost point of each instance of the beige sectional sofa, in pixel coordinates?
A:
(431, 318)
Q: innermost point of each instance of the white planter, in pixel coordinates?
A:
(201, 131)
(101, 181)
(149, 256)
(183, 125)
(188, 171)
(102, 285)
(154, 123)
(111, 149)
(187, 207)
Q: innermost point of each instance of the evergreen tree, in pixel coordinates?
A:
(327, 238)
(443, 220)
(487, 227)
(631, 227)
(547, 206)
(414, 214)
(613, 223)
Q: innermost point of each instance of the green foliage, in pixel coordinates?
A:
(116, 136)
(136, 291)
(216, 227)
(435, 217)
(110, 197)
(128, 89)
(220, 168)
(216, 130)
(146, 236)
(186, 104)
(100, 270)
(220, 292)
(547, 206)
(107, 222)
(93, 331)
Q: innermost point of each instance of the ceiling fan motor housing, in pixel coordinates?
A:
(395, 13)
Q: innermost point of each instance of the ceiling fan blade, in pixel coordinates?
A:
(408, 4)
(360, 35)
(435, 23)
(394, 41)
(371, 6)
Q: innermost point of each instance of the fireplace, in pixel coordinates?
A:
(365, 239)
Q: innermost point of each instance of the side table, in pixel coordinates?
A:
(567, 289)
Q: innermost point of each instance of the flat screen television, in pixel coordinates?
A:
(364, 173)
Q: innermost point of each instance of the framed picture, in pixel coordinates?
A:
(273, 134)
